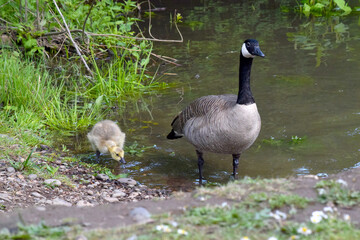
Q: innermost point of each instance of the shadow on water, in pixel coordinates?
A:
(306, 90)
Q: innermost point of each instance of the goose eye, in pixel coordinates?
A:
(248, 44)
(117, 155)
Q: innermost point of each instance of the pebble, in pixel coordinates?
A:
(32, 176)
(118, 194)
(90, 192)
(40, 208)
(53, 182)
(81, 237)
(128, 181)
(111, 199)
(133, 237)
(140, 215)
(36, 194)
(83, 203)
(61, 202)
(102, 177)
(5, 197)
(10, 169)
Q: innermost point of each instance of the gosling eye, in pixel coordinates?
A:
(117, 155)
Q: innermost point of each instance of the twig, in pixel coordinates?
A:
(4, 4)
(156, 39)
(87, 16)
(26, 10)
(5, 21)
(163, 58)
(72, 40)
(136, 38)
(37, 16)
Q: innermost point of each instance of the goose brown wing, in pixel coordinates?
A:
(204, 106)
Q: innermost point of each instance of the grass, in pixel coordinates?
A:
(337, 193)
(35, 100)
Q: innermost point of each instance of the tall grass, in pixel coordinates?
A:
(124, 75)
(33, 99)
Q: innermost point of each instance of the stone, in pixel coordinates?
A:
(40, 208)
(110, 199)
(140, 215)
(10, 169)
(130, 182)
(5, 197)
(81, 237)
(36, 194)
(118, 194)
(89, 192)
(133, 237)
(32, 176)
(102, 177)
(83, 203)
(60, 202)
(52, 182)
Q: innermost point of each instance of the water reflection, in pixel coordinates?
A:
(307, 87)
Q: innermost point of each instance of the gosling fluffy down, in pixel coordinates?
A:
(106, 137)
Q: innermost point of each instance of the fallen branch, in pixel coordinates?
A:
(163, 58)
(72, 40)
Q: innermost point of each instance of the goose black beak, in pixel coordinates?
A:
(122, 160)
(259, 53)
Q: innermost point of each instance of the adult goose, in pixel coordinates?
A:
(107, 137)
(227, 124)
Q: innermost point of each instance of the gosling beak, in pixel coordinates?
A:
(122, 160)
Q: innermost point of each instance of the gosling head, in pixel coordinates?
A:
(116, 152)
(250, 49)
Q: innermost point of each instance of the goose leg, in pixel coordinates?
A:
(235, 163)
(97, 154)
(200, 164)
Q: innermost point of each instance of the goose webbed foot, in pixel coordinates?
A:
(200, 165)
(235, 164)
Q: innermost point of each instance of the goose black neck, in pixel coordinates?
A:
(245, 95)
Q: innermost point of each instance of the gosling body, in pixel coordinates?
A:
(107, 137)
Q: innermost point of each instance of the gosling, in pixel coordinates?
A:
(106, 137)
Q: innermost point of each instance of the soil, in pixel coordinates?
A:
(103, 203)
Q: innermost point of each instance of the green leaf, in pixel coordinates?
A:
(343, 6)
(30, 43)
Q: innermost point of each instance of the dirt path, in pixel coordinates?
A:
(119, 214)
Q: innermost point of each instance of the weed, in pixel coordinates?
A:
(26, 165)
(336, 192)
(112, 176)
(297, 140)
(50, 169)
(136, 149)
(324, 7)
(40, 231)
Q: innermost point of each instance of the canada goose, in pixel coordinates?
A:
(226, 124)
(107, 137)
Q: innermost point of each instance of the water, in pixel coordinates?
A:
(307, 86)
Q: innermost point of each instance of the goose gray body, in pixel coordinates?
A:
(226, 124)
(216, 123)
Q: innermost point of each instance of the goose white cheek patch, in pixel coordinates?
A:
(245, 52)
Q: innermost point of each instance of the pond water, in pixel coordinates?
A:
(307, 91)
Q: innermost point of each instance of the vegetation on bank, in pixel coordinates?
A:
(96, 55)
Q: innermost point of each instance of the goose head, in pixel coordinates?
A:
(116, 152)
(250, 49)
